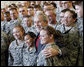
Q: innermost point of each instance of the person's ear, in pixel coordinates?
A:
(51, 36)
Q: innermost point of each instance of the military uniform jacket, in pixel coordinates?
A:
(4, 48)
(15, 54)
(71, 48)
(52, 61)
(29, 57)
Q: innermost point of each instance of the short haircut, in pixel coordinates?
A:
(74, 15)
(14, 9)
(64, 10)
(55, 6)
(30, 7)
(44, 16)
(37, 6)
(31, 34)
(7, 13)
(80, 3)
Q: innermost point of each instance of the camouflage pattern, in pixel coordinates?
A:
(51, 61)
(2, 25)
(72, 45)
(15, 54)
(27, 29)
(54, 25)
(29, 56)
(4, 48)
(80, 29)
(9, 28)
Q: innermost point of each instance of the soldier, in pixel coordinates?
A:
(79, 11)
(51, 18)
(2, 22)
(67, 5)
(15, 19)
(40, 21)
(8, 26)
(22, 12)
(16, 47)
(4, 48)
(47, 37)
(28, 25)
(30, 10)
(29, 51)
(70, 31)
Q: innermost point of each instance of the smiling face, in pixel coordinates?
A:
(28, 40)
(23, 11)
(51, 16)
(68, 19)
(27, 21)
(39, 23)
(44, 37)
(79, 10)
(18, 33)
(14, 14)
(65, 4)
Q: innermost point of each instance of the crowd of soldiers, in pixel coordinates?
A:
(42, 33)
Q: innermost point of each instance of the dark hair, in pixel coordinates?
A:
(55, 6)
(50, 30)
(74, 15)
(26, 16)
(14, 9)
(30, 7)
(64, 10)
(32, 35)
(7, 13)
(37, 6)
(80, 3)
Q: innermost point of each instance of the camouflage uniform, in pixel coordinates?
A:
(15, 54)
(27, 29)
(2, 25)
(54, 25)
(80, 29)
(4, 48)
(29, 57)
(51, 61)
(71, 48)
(9, 28)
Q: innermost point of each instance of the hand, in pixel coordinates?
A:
(49, 52)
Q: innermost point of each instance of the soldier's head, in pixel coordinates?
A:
(51, 16)
(32, 3)
(25, 3)
(38, 2)
(13, 13)
(40, 20)
(7, 16)
(30, 10)
(2, 16)
(62, 13)
(66, 4)
(70, 17)
(79, 8)
(47, 35)
(22, 11)
(29, 39)
(37, 8)
(18, 32)
(27, 20)
(48, 7)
